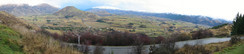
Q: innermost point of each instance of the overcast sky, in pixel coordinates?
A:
(221, 9)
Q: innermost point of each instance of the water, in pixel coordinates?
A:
(129, 49)
(201, 41)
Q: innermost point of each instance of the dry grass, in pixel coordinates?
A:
(222, 31)
(36, 43)
(211, 48)
(32, 41)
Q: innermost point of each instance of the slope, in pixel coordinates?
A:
(27, 10)
(204, 20)
(18, 37)
(9, 41)
(70, 12)
(70, 17)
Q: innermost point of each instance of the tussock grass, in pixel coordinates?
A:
(17, 37)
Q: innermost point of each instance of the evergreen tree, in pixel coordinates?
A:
(238, 25)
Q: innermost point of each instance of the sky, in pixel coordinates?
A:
(219, 9)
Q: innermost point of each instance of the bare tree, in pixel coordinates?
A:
(98, 50)
(138, 46)
(166, 47)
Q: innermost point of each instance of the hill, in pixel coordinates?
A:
(9, 41)
(27, 10)
(223, 30)
(70, 18)
(204, 20)
(70, 11)
(17, 37)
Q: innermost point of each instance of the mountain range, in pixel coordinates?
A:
(27, 10)
(43, 9)
(196, 19)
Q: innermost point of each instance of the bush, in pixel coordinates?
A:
(100, 20)
(68, 16)
(202, 34)
(143, 26)
(166, 47)
(197, 49)
(159, 39)
(234, 40)
(113, 38)
(180, 36)
(216, 27)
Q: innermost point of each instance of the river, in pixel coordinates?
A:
(179, 44)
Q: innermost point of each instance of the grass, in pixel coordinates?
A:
(153, 28)
(235, 49)
(9, 41)
(217, 48)
(16, 37)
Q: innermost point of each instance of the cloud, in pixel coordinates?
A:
(105, 7)
(55, 3)
(223, 9)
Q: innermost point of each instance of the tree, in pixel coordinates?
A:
(234, 40)
(98, 49)
(166, 47)
(143, 26)
(202, 34)
(138, 46)
(237, 28)
(48, 21)
(238, 25)
(130, 25)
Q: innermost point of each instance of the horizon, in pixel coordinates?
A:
(226, 10)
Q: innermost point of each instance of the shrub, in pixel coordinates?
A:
(166, 47)
(68, 16)
(100, 20)
(216, 27)
(143, 26)
(180, 36)
(234, 40)
(159, 39)
(197, 49)
(202, 34)
(113, 38)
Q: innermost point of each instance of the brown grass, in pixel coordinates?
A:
(33, 42)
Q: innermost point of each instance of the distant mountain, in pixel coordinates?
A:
(70, 11)
(204, 20)
(27, 10)
(9, 20)
(100, 12)
(46, 8)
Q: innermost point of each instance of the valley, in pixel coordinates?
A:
(45, 29)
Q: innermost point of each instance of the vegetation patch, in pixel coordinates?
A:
(9, 41)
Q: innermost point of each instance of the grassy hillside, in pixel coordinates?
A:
(204, 20)
(235, 49)
(222, 31)
(70, 12)
(213, 48)
(9, 41)
(71, 17)
(151, 26)
(19, 37)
